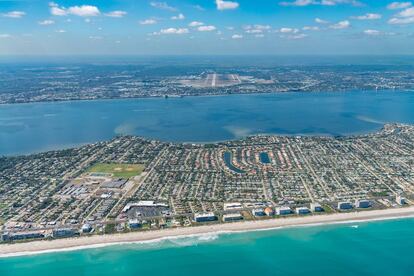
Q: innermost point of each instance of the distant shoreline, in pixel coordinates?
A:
(70, 244)
(180, 96)
(200, 143)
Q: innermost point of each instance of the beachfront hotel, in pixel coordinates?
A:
(205, 217)
(258, 212)
(316, 207)
(232, 217)
(344, 205)
(134, 224)
(8, 237)
(284, 210)
(302, 210)
(232, 206)
(400, 200)
(362, 203)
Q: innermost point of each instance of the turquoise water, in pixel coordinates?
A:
(374, 248)
(26, 128)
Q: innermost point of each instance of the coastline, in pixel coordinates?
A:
(71, 244)
(199, 95)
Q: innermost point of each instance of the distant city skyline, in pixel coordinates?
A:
(206, 27)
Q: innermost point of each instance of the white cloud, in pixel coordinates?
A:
(341, 25)
(259, 35)
(293, 36)
(404, 17)
(198, 7)
(226, 5)
(298, 3)
(368, 16)
(116, 14)
(407, 13)
(55, 10)
(163, 6)
(399, 5)
(178, 17)
(14, 14)
(5, 35)
(339, 2)
(83, 10)
(298, 36)
(95, 37)
(372, 32)
(195, 24)
(208, 28)
(174, 31)
(377, 33)
(310, 28)
(149, 21)
(321, 21)
(259, 27)
(61, 31)
(236, 36)
(289, 30)
(304, 3)
(46, 22)
(254, 31)
(401, 21)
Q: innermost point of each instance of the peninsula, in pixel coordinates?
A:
(145, 189)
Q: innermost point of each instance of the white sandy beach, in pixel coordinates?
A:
(37, 247)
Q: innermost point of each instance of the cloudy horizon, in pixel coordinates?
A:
(200, 27)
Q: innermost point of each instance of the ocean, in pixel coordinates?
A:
(359, 248)
(35, 127)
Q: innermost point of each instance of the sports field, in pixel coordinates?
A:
(117, 170)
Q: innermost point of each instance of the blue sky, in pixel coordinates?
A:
(199, 27)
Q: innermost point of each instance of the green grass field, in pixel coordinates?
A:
(118, 170)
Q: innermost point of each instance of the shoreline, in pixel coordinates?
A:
(217, 142)
(179, 96)
(98, 241)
